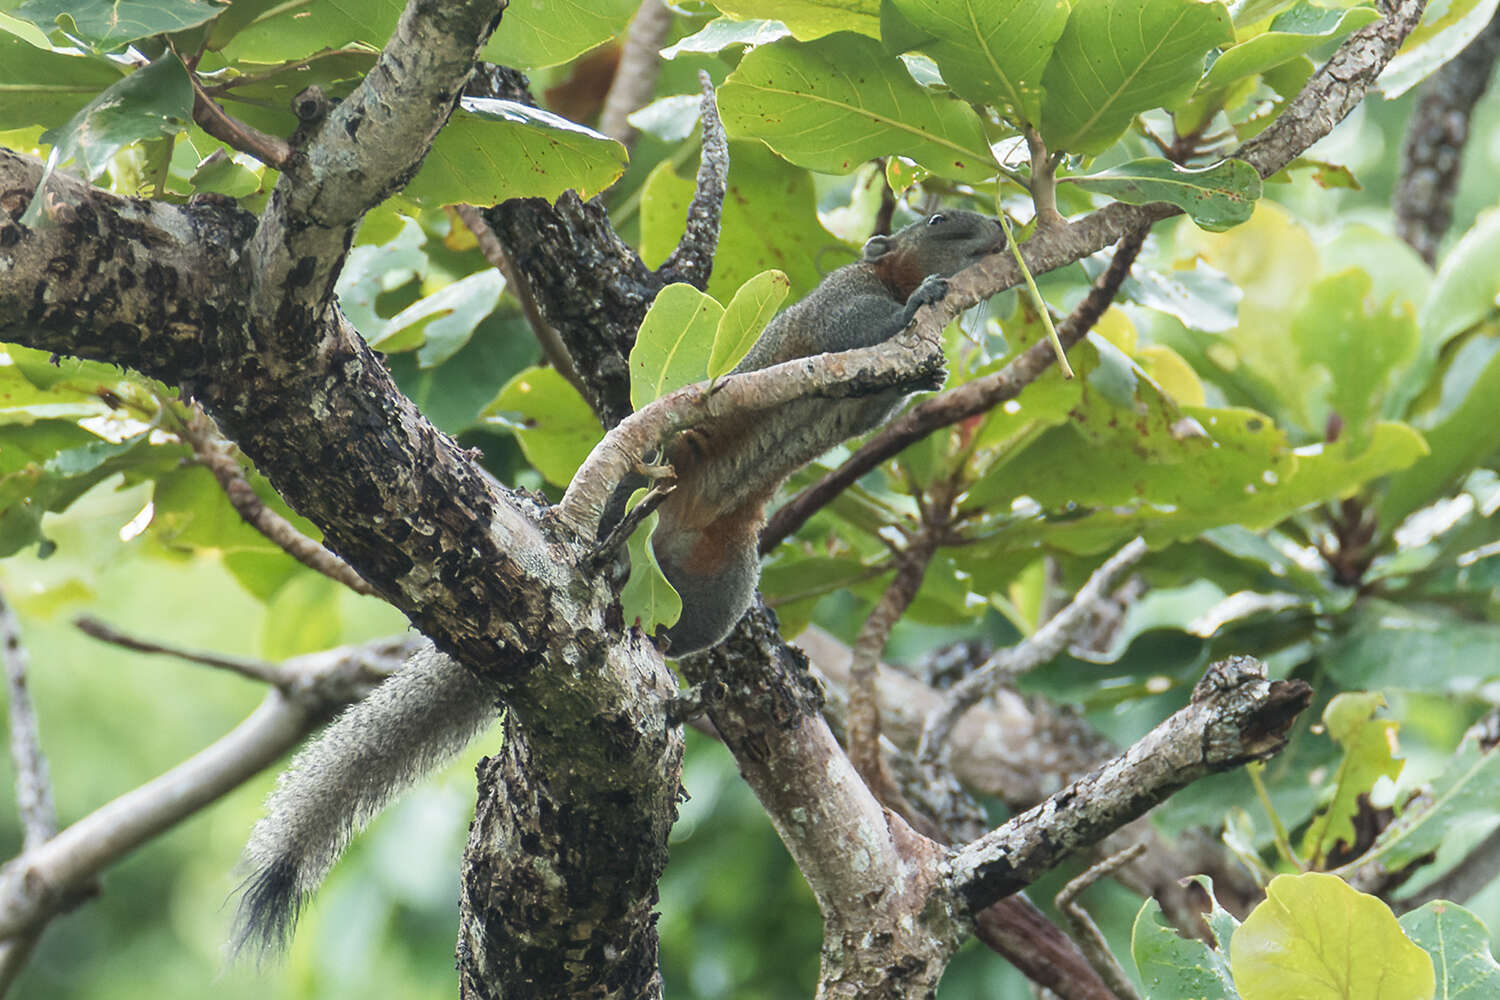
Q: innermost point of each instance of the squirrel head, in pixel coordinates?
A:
(943, 243)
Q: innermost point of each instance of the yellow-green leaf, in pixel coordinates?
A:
(1314, 938)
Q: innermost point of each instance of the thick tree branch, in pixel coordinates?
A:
(365, 150)
(1235, 716)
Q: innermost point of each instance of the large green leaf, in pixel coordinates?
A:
(1459, 945)
(493, 150)
(38, 87)
(555, 427)
(809, 19)
(1117, 58)
(1216, 197)
(108, 24)
(673, 344)
(1315, 938)
(1294, 33)
(151, 103)
(1378, 650)
(1360, 340)
(832, 104)
(990, 51)
(770, 222)
(538, 33)
(291, 31)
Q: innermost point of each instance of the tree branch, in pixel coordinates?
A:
(1436, 134)
(692, 260)
(1005, 666)
(1235, 716)
(638, 69)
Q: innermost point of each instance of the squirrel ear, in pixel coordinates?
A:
(877, 246)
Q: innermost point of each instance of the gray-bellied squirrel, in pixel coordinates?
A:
(705, 542)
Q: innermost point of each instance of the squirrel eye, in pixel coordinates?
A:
(935, 219)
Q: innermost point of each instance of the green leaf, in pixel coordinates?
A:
(108, 24)
(150, 103)
(809, 19)
(1459, 945)
(1467, 287)
(832, 104)
(747, 314)
(284, 32)
(1314, 938)
(1378, 651)
(1117, 58)
(647, 599)
(554, 426)
(722, 32)
(47, 88)
(990, 51)
(770, 222)
(1463, 794)
(441, 323)
(1446, 29)
(1360, 340)
(1217, 198)
(1172, 966)
(1369, 753)
(493, 150)
(1293, 34)
(538, 33)
(1453, 445)
(673, 345)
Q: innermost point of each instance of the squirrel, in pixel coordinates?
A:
(705, 541)
(708, 528)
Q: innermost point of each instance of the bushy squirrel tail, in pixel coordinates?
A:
(419, 718)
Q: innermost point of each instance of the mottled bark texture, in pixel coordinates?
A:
(237, 311)
(1432, 154)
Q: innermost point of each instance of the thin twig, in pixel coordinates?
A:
(1008, 664)
(948, 408)
(213, 451)
(271, 150)
(1086, 932)
(553, 348)
(257, 670)
(33, 786)
(637, 71)
(863, 738)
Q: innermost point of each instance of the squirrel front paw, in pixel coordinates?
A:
(933, 288)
